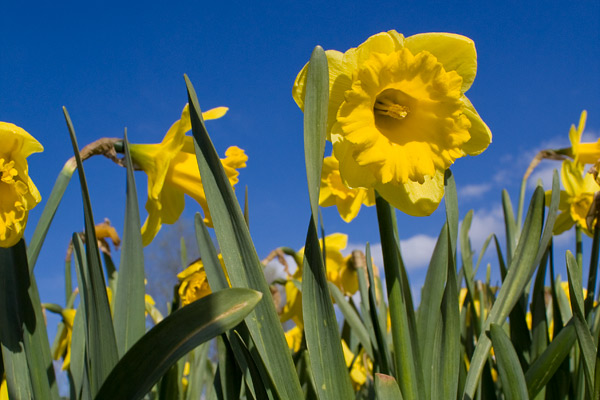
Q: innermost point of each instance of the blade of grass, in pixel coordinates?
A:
(243, 265)
(160, 348)
(509, 367)
(101, 343)
(510, 226)
(129, 303)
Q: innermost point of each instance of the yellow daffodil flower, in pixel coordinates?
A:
(293, 337)
(398, 116)
(335, 192)
(583, 153)
(3, 389)
(64, 342)
(173, 171)
(193, 283)
(358, 372)
(576, 199)
(340, 272)
(18, 194)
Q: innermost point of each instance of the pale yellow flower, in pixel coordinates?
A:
(64, 342)
(576, 199)
(193, 282)
(173, 171)
(583, 153)
(18, 194)
(335, 193)
(398, 116)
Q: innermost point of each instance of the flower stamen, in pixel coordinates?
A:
(388, 108)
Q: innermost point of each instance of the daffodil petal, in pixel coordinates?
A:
(352, 174)
(571, 177)
(152, 224)
(173, 203)
(413, 198)
(383, 42)
(563, 223)
(214, 113)
(481, 136)
(455, 52)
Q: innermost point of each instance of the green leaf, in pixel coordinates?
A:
(230, 374)
(446, 365)
(315, 123)
(408, 370)
(353, 319)
(543, 368)
(522, 267)
(387, 388)
(584, 336)
(242, 262)
(539, 328)
(43, 225)
(509, 368)
(11, 335)
(451, 202)
(378, 317)
(78, 368)
(431, 300)
(30, 321)
(100, 338)
(321, 329)
(149, 358)
(129, 303)
(510, 225)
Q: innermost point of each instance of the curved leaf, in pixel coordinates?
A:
(148, 359)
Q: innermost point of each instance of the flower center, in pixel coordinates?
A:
(388, 108)
(7, 171)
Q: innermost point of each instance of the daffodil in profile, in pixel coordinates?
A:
(398, 116)
(173, 171)
(63, 349)
(335, 193)
(583, 153)
(18, 194)
(193, 282)
(576, 199)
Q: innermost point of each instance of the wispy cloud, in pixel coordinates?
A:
(474, 191)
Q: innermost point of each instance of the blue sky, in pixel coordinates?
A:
(121, 65)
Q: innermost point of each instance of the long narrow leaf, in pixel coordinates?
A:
(101, 343)
(129, 302)
(43, 225)
(518, 275)
(586, 341)
(243, 265)
(321, 329)
(160, 348)
(405, 362)
(353, 319)
(509, 368)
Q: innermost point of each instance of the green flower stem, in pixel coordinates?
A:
(579, 247)
(591, 286)
(521, 204)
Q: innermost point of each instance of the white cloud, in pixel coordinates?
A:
(474, 191)
(485, 222)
